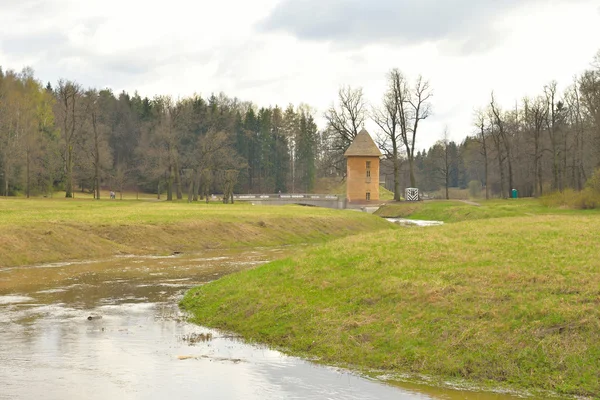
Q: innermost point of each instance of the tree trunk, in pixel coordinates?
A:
(69, 180)
(96, 164)
(555, 172)
(501, 166)
(191, 183)
(196, 184)
(447, 192)
(498, 146)
(170, 185)
(6, 179)
(396, 172)
(509, 161)
(536, 162)
(178, 179)
(485, 161)
(510, 175)
(447, 168)
(411, 163)
(28, 178)
(564, 167)
(579, 166)
(540, 183)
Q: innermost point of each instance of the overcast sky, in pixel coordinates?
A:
(276, 52)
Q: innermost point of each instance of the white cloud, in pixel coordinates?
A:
(183, 47)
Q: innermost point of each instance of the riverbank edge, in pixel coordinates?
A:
(403, 380)
(48, 242)
(210, 308)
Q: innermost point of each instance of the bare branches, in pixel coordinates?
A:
(349, 117)
(412, 106)
(421, 107)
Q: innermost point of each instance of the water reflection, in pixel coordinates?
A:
(137, 345)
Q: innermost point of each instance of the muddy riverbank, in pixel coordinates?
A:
(138, 345)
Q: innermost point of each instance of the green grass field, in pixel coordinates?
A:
(46, 230)
(456, 211)
(508, 298)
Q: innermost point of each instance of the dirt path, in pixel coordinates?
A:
(470, 203)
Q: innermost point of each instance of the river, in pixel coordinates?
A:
(111, 329)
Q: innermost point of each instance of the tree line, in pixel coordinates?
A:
(65, 137)
(545, 143)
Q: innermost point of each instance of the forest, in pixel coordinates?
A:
(64, 137)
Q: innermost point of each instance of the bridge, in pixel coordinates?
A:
(317, 200)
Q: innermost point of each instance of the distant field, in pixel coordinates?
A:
(506, 298)
(44, 230)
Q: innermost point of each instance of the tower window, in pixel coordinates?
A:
(368, 169)
(368, 196)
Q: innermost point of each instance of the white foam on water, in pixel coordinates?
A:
(128, 307)
(13, 299)
(210, 259)
(414, 222)
(58, 290)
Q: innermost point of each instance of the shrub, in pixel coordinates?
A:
(475, 189)
(587, 199)
(593, 183)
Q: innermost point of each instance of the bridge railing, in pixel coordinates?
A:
(286, 196)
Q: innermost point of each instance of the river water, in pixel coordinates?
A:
(112, 330)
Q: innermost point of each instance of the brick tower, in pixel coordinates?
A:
(362, 178)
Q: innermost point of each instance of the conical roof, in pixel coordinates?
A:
(363, 145)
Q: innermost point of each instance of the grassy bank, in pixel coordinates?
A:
(46, 230)
(455, 211)
(510, 302)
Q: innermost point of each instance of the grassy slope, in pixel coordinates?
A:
(504, 301)
(46, 230)
(455, 211)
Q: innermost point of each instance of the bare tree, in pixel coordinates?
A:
(229, 180)
(480, 119)
(589, 87)
(119, 179)
(445, 169)
(413, 107)
(576, 121)
(349, 117)
(389, 118)
(69, 94)
(500, 153)
(553, 121)
(168, 134)
(10, 127)
(504, 138)
(212, 152)
(344, 121)
(535, 116)
(94, 143)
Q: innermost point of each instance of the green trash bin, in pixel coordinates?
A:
(515, 194)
